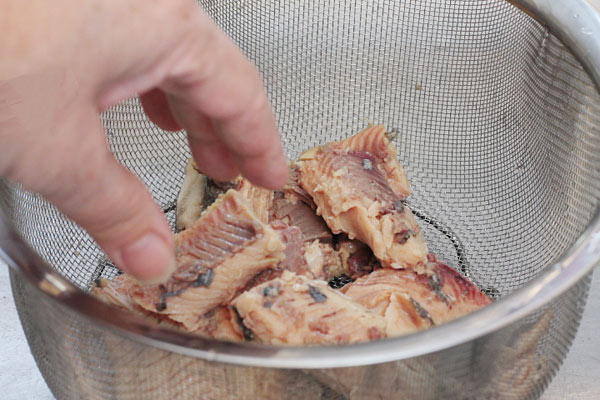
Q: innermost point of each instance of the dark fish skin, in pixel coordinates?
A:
(316, 294)
(263, 276)
(423, 313)
(248, 334)
(270, 291)
(204, 279)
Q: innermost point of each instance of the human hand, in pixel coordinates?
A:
(65, 61)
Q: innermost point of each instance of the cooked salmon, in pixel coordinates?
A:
(254, 264)
(294, 190)
(315, 260)
(190, 200)
(356, 258)
(219, 323)
(294, 206)
(323, 261)
(295, 310)
(293, 211)
(410, 301)
(116, 292)
(358, 187)
(216, 256)
(294, 249)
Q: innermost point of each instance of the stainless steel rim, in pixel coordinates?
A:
(577, 24)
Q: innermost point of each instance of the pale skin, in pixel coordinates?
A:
(63, 62)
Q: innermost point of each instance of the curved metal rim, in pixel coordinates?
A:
(581, 258)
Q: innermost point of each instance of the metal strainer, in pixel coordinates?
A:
(498, 127)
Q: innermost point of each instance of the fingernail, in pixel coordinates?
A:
(150, 259)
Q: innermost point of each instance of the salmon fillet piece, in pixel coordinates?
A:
(219, 323)
(295, 310)
(216, 256)
(315, 260)
(358, 187)
(294, 206)
(410, 301)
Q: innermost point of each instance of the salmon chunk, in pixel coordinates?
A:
(297, 213)
(410, 301)
(323, 261)
(219, 323)
(295, 310)
(216, 256)
(294, 206)
(358, 187)
(356, 258)
(315, 260)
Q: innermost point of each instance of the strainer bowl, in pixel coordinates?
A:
(496, 110)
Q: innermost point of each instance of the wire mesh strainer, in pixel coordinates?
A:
(499, 131)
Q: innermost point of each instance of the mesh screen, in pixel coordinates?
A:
(497, 126)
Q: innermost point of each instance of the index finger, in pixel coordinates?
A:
(215, 80)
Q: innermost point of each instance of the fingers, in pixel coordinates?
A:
(212, 157)
(114, 206)
(214, 80)
(156, 107)
(190, 59)
(215, 160)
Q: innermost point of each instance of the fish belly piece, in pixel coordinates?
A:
(295, 310)
(410, 301)
(216, 256)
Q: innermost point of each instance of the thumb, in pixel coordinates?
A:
(113, 206)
